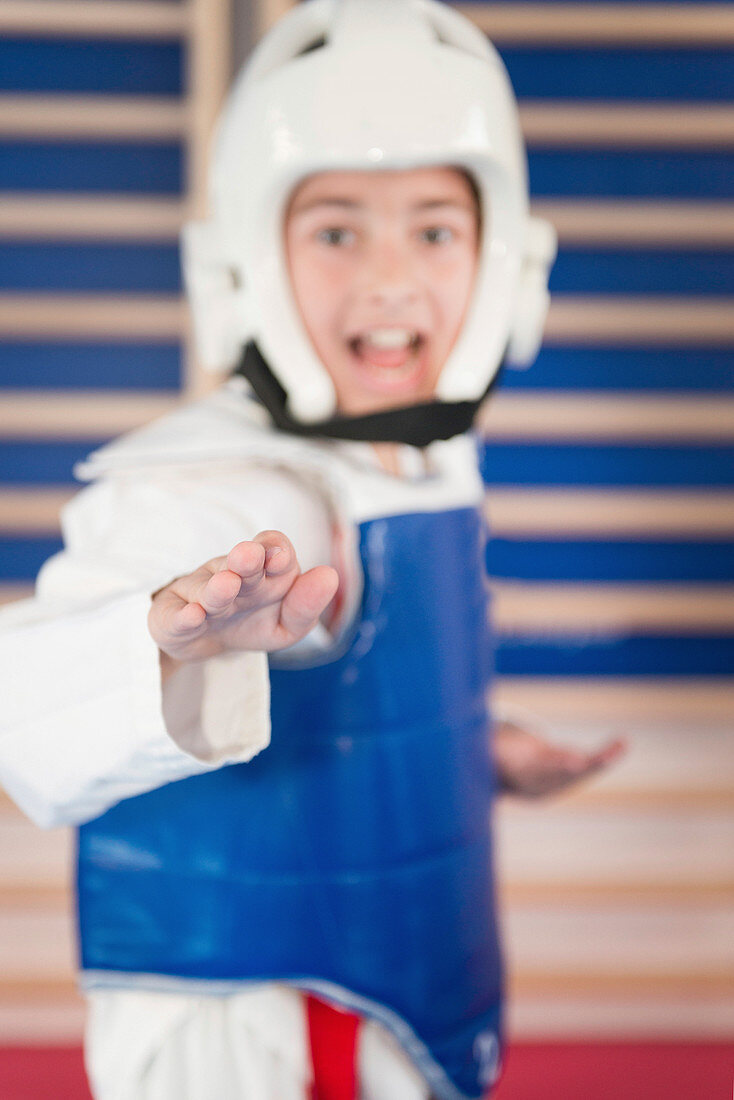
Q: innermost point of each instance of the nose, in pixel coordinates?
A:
(390, 278)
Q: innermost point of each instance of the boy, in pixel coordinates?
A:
(367, 260)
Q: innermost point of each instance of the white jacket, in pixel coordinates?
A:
(85, 722)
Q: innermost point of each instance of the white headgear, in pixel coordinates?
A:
(350, 85)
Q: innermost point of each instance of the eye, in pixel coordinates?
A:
(437, 234)
(335, 236)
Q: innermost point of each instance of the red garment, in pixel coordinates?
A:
(333, 1037)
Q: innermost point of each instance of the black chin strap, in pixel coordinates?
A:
(417, 425)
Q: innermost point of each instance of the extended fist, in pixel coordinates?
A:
(253, 598)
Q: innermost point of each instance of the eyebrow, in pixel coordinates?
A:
(350, 204)
(455, 204)
(343, 204)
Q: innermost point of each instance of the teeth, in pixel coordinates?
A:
(389, 338)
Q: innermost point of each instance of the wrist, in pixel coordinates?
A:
(168, 664)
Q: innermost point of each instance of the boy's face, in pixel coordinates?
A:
(382, 266)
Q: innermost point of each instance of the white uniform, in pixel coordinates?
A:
(85, 722)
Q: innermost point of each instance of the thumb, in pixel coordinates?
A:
(306, 599)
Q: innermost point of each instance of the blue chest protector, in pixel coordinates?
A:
(353, 856)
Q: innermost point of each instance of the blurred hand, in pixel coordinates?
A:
(531, 767)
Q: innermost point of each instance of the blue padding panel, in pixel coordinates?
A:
(642, 271)
(21, 558)
(89, 267)
(623, 368)
(643, 655)
(692, 174)
(94, 365)
(93, 65)
(141, 167)
(606, 73)
(606, 464)
(23, 462)
(619, 560)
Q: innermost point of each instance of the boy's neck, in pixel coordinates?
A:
(388, 457)
(391, 458)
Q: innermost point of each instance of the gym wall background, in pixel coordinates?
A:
(609, 464)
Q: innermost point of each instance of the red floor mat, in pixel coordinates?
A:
(42, 1073)
(535, 1071)
(618, 1071)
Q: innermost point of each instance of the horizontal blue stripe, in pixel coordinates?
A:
(21, 558)
(23, 462)
(611, 560)
(91, 65)
(604, 368)
(502, 464)
(90, 267)
(642, 271)
(143, 266)
(109, 365)
(637, 173)
(140, 167)
(606, 464)
(642, 655)
(543, 560)
(138, 266)
(89, 366)
(608, 73)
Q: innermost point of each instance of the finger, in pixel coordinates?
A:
(574, 765)
(219, 592)
(616, 747)
(213, 587)
(171, 617)
(574, 761)
(247, 559)
(269, 554)
(279, 553)
(611, 751)
(188, 618)
(306, 599)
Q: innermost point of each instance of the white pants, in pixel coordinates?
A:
(247, 1046)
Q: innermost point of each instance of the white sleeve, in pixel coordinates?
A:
(83, 718)
(84, 722)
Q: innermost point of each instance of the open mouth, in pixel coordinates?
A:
(390, 355)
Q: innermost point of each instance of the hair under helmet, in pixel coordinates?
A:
(363, 85)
